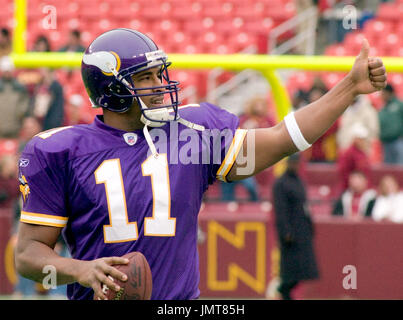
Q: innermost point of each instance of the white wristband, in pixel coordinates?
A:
(295, 132)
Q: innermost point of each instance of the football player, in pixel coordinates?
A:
(116, 185)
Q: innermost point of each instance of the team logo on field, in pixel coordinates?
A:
(130, 138)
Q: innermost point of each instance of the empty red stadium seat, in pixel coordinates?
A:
(388, 44)
(335, 50)
(250, 12)
(131, 11)
(353, 40)
(138, 24)
(242, 40)
(263, 26)
(92, 11)
(331, 78)
(8, 146)
(301, 80)
(389, 11)
(377, 28)
(229, 26)
(168, 26)
(156, 12)
(67, 10)
(199, 26)
(179, 37)
(185, 11)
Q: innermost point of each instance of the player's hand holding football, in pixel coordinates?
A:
(94, 274)
(368, 74)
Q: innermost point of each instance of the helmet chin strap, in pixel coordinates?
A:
(160, 115)
(157, 114)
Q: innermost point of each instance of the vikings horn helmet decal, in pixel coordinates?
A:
(103, 60)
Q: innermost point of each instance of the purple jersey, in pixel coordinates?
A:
(111, 197)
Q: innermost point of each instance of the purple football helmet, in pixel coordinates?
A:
(110, 61)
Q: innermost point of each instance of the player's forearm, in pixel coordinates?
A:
(316, 118)
(30, 263)
(265, 147)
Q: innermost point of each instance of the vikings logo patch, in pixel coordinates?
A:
(24, 187)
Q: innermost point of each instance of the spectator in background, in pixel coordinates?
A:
(294, 230)
(300, 99)
(5, 42)
(358, 200)
(389, 203)
(74, 43)
(355, 157)
(9, 191)
(75, 103)
(318, 84)
(49, 101)
(363, 113)
(303, 97)
(30, 127)
(14, 100)
(31, 77)
(42, 44)
(391, 126)
(256, 115)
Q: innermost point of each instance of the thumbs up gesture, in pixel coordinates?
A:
(368, 74)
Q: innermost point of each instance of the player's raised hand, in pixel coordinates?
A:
(94, 274)
(368, 74)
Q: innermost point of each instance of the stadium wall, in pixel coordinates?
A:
(238, 246)
(239, 256)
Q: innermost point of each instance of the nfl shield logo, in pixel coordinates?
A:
(130, 138)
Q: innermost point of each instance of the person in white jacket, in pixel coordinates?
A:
(389, 203)
(363, 113)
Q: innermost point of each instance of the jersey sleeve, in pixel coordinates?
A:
(224, 139)
(42, 186)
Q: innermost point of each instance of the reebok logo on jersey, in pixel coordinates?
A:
(23, 162)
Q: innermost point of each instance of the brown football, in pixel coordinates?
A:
(138, 285)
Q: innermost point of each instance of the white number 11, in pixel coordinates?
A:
(120, 229)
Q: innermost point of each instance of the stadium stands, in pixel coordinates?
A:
(205, 26)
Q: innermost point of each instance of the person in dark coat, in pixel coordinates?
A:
(49, 101)
(294, 230)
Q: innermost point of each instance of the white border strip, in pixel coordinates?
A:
(36, 219)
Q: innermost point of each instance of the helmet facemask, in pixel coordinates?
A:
(122, 88)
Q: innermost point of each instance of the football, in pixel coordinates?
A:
(138, 285)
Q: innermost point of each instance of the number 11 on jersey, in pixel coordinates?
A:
(120, 229)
